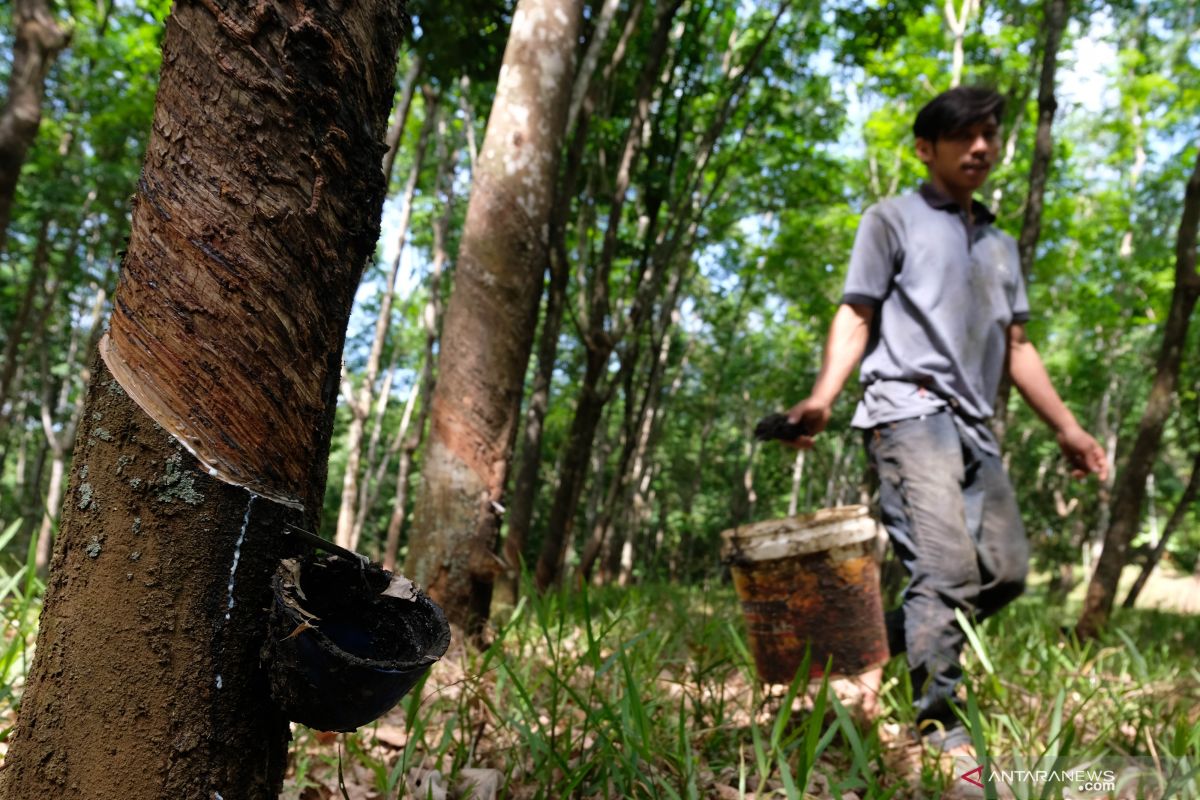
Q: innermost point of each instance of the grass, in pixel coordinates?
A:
(650, 692)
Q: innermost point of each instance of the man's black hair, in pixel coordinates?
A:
(957, 109)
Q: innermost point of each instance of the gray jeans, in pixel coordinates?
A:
(953, 520)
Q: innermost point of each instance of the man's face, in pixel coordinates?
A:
(961, 160)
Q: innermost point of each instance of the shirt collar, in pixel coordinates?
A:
(981, 213)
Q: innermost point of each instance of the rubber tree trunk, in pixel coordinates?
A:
(1055, 15)
(1127, 506)
(257, 207)
(37, 40)
(492, 313)
(526, 481)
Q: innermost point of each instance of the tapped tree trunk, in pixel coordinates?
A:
(1127, 507)
(37, 40)
(490, 320)
(239, 276)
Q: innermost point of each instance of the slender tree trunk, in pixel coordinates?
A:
(403, 106)
(431, 318)
(1186, 500)
(1055, 15)
(797, 478)
(360, 402)
(492, 313)
(37, 40)
(572, 469)
(468, 112)
(599, 343)
(368, 486)
(525, 486)
(15, 332)
(1127, 507)
(146, 682)
(957, 21)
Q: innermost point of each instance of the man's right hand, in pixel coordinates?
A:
(813, 413)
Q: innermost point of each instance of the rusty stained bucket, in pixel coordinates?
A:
(811, 579)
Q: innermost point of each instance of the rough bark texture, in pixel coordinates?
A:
(256, 210)
(1127, 506)
(491, 316)
(37, 40)
(122, 699)
(252, 213)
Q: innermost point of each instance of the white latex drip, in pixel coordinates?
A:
(237, 554)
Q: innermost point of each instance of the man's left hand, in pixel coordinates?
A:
(1084, 453)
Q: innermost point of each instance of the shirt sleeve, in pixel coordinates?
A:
(1020, 306)
(872, 262)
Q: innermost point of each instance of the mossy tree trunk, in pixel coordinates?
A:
(257, 208)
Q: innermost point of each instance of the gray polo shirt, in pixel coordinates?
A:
(944, 294)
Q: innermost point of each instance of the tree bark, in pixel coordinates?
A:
(37, 40)
(1054, 22)
(489, 325)
(1127, 506)
(146, 682)
(1186, 500)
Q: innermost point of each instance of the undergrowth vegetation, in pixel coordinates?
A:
(650, 692)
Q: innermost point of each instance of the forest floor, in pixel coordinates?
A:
(650, 692)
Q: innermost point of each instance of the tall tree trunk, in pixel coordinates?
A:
(1055, 17)
(525, 484)
(37, 40)
(492, 313)
(146, 682)
(410, 435)
(1186, 500)
(360, 401)
(1127, 507)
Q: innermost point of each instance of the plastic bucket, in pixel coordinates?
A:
(347, 641)
(810, 580)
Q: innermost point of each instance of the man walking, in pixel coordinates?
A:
(935, 307)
